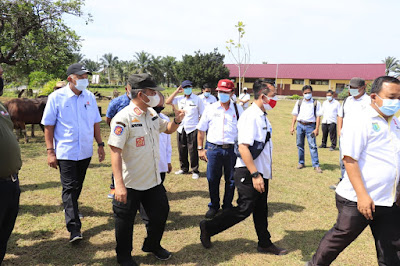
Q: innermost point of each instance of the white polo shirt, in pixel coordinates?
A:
(137, 133)
(375, 144)
(207, 100)
(253, 125)
(330, 111)
(354, 106)
(220, 123)
(74, 117)
(193, 107)
(244, 97)
(165, 148)
(307, 111)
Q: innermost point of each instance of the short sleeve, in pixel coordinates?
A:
(341, 110)
(201, 106)
(319, 110)
(175, 101)
(119, 131)
(354, 138)
(96, 111)
(49, 117)
(246, 126)
(111, 110)
(295, 110)
(204, 121)
(163, 124)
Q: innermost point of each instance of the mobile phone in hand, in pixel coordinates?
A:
(312, 135)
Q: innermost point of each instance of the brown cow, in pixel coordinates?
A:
(26, 111)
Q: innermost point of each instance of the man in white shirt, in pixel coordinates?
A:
(252, 173)
(187, 132)
(330, 109)
(244, 99)
(219, 120)
(206, 96)
(307, 112)
(71, 119)
(367, 194)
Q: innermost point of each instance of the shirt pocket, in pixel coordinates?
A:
(138, 136)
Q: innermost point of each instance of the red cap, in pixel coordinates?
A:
(225, 85)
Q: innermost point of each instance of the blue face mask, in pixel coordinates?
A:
(207, 94)
(354, 92)
(224, 97)
(187, 91)
(389, 106)
(308, 96)
(329, 98)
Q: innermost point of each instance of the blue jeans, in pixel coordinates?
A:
(218, 159)
(302, 132)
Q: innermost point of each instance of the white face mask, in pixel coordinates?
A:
(153, 100)
(81, 84)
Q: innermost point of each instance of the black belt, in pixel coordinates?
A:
(12, 178)
(306, 123)
(223, 146)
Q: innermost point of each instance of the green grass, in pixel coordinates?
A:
(301, 210)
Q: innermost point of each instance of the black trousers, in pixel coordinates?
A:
(9, 198)
(349, 225)
(72, 175)
(249, 201)
(331, 129)
(188, 143)
(155, 204)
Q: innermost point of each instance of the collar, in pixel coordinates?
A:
(70, 93)
(257, 110)
(361, 98)
(136, 110)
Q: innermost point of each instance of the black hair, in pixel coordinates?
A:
(260, 87)
(378, 82)
(306, 87)
(330, 91)
(206, 86)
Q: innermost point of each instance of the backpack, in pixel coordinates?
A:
(315, 107)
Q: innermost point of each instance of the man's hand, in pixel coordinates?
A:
(203, 155)
(292, 130)
(258, 183)
(179, 115)
(169, 168)
(179, 89)
(121, 194)
(52, 159)
(101, 153)
(366, 206)
(316, 132)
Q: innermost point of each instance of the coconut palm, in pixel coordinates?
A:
(108, 61)
(143, 61)
(391, 62)
(168, 64)
(91, 65)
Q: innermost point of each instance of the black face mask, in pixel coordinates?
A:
(158, 109)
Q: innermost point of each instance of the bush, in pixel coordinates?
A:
(48, 87)
(343, 94)
(294, 97)
(38, 78)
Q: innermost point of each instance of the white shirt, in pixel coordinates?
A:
(74, 117)
(165, 148)
(253, 125)
(193, 107)
(244, 97)
(208, 100)
(220, 123)
(375, 144)
(233, 98)
(137, 133)
(306, 111)
(354, 106)
(330, 111)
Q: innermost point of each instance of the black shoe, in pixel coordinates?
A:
(321, 146)
(129, 263)
(211, 213)
(205, 237)
(75, 236)
(160, 253)
(272, 250)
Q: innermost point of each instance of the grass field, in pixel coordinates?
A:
(301, 210)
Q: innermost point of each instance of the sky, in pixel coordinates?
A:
(276, 31)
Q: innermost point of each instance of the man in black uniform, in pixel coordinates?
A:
(10, 163)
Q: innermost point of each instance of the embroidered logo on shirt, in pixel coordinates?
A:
(135, 120)
(137, 111)
(137, 125)
(376, 127)
(154, 118)
(4, 113)
(140, 142)
(395, 123)
(118, 130)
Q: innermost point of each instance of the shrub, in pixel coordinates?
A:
(48, 87)
(294, 97)
(343, 94)
(38, 78)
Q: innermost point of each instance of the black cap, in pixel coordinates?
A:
(143, 81)
(77, 69)
(186, 83)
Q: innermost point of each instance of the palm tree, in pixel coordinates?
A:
(391, 63)
(168, 64)
(91, 65)
(108, 61)
(143, 61)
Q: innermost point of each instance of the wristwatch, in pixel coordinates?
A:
(101, 144)
(255, 174)
(199, 147)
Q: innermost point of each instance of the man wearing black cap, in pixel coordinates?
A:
(135, 155)
(71, 119)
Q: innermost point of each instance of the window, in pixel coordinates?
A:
(319, 82)
(340, 87)
(298, 81)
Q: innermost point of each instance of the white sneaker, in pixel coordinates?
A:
(179, 172)
(195, 176)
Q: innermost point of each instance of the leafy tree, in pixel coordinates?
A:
(123, 69)
(109, 61)
(91, 65)
(202, 68)
(34, 36)
(391, 63)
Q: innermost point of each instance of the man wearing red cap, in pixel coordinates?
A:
(220, 122)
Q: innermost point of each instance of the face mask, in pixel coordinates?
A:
(207, 94)
(389, 106)
(81, 84)
(129, 95)
(329, 98)
(308, 96)
(354, 92)
(153, 100)
(271, 104)
(187, 91)
(158, 109)
(223, 97)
